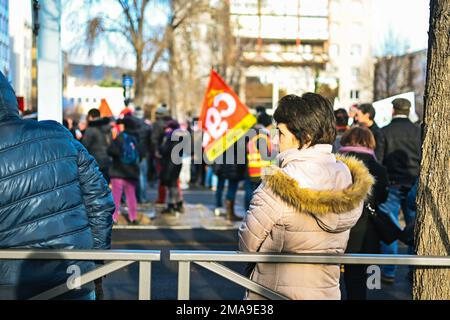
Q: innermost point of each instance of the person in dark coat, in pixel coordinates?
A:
(365, 116)
(360, 143)
(125, 173)
(231, 167)
(402, 153)
(96, 140)
(171, 168)
(144, 133)
(52, 196)
(162, 118)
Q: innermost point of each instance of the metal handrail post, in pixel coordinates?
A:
(184, 273)
(145, 272)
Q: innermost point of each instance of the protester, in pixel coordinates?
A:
(81, 128)
(402, 153)
(198, 171)
(159, 126)
(96, 139)
(230, 167)
(171, 167)
(359, 142)
(124, 171)
(365, 117)
(70, 125)
(53, 196)
(144, 134)
(352, 119)
(341, 127)
(308, 205)
(259, 154)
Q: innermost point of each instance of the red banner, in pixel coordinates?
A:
(224, 118)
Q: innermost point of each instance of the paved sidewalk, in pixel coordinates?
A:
(196, 216)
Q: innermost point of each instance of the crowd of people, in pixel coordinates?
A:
(131, 153)
(311, 189)
(106, 139)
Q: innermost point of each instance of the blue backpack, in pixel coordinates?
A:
(130, 153)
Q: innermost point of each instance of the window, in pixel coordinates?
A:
(357, 7)
(355, 74)
(79, 100)
(334, 51)
(356, 50)
(354, 94)
(87, 99)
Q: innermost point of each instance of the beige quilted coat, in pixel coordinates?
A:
(310, 188)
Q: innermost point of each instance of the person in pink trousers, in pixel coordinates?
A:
(124, 171)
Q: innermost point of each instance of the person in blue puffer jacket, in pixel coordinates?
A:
(52, 196)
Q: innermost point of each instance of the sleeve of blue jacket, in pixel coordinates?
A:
(97, 199)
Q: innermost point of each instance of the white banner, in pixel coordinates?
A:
(384, 108)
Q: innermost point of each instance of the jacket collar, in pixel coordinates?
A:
(318, 152)
(319, 202)
(8, 102)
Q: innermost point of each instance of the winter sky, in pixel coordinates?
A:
(408, 18)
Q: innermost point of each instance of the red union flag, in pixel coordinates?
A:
(224, 118)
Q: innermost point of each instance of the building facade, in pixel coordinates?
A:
(79, 98)
(21, 40)
(296, 46)
(4, 37)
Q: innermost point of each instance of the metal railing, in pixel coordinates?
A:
(210, 261)
(114, 260)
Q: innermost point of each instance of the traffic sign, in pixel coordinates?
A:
(127, 81)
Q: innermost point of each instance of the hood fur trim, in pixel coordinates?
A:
(323, 201)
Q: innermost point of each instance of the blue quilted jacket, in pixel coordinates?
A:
(52, 196)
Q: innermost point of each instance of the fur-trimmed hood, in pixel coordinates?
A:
(319, 202)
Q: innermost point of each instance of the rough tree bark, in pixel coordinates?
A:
(433, 201)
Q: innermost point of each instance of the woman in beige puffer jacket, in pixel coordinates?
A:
(306, 205)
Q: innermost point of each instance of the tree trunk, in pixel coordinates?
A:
(172, 67)
(433, 201)
(139, 81)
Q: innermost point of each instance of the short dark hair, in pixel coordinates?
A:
(401, 106)
(94, 113)
(367, 108)
(341, 117)
(264, 120)
(309, 118)
(359, 137)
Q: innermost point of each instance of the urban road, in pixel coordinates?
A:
(205, 285)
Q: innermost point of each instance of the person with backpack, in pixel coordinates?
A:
(124, 171)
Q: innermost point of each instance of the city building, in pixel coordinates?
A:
(21, 39)
(86, 85)
(400, 74)
(295, 46)
(4, 38)
(79, 98)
